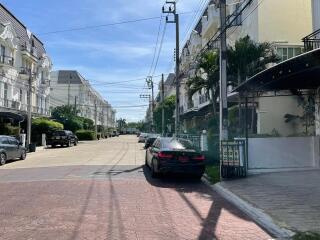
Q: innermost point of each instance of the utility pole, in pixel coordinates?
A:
(172, 10)
(150, 85)
(223, 74)
(95, 119)
(75, 103)
(69, 82)
(29, 110)
(162, 101)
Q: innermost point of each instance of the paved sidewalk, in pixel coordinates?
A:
(292, 199)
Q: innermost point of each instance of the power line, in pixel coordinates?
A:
(160, 48)
(104, 25)
(155, 48)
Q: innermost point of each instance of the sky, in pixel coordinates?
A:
(110, 54)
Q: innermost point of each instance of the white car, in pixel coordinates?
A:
(142, 137)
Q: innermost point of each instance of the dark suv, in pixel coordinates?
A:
(10, 149)
(62, 138)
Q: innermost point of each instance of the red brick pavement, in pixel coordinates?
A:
(119, 209)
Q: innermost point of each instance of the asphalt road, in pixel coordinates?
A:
(101, 190)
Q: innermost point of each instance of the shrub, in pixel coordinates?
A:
(213, 173)
(7, 129)
(43, 125)
(85, 135)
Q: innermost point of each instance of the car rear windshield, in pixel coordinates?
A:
(59, 133)
(177, 144)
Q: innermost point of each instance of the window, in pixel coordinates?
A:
(20, 95)
(5, 93)
(2, 53)
(288, 52)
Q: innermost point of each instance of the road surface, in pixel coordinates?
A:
(101, 190)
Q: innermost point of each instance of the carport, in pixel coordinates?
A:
(300, 73)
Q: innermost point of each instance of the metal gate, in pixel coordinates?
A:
(233, 159)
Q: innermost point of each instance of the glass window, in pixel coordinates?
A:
(298, 51)
(177, 144)
(20, 95)
(5, 95)
(290, 53)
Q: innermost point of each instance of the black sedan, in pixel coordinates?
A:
(174, 155)
(10, 149)
(62, 137)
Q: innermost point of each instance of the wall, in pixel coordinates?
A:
(283, 153)
(290, 21)
(271, 111)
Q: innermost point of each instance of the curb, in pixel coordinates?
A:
(258, 215)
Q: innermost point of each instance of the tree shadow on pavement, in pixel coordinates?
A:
(183, 185)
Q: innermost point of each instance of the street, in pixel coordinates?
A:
(101, 190)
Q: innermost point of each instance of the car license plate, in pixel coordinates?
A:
(183, 158)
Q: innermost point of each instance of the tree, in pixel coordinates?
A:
(206, 77)
(247, 58)
(121, 123)
(169, 107)
(67, 115)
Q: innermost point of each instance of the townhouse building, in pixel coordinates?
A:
(69, 87)
(264, 21)
(23, 59)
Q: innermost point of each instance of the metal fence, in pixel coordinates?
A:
(195, 139)
(233, 159)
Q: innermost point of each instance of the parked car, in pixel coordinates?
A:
(142, 137)
(174, 155)
(150, 140)
(62, 138)
(10, 149)
(115, 134)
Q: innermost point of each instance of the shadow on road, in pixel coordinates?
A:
(184, 185)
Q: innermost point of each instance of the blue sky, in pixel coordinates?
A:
(106, 54)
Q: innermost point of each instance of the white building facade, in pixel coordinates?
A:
(22, 56)
(68, 87)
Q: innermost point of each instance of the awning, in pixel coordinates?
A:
(300, 72)
(11, 115)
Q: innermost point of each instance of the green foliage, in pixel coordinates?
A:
(213, 173)
(306, 236)
(7, 129)
(43, 125)
(88, 124)
(247, 58)
(169, 106)
(67, 115)
(85, 135)
(206, 76)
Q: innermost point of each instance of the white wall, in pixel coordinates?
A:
(283, 153)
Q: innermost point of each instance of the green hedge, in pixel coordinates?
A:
(85, 135)
(43, 125)
(7, 129)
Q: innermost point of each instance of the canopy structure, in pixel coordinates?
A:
(11, 115)
(300, 72)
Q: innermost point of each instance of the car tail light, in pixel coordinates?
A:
(164, 155)
(199, 158)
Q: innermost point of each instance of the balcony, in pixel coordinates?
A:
(29, 51)
(6, 61)
(312, 41)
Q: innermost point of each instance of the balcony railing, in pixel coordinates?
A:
(312, 41)
(7, 60)
(18, 106)
(28, 48)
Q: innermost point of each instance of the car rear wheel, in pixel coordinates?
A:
(3, 158)
(69, 143)
(154, 174)
(75, 142)
(23, 155)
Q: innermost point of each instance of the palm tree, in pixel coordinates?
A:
(247, 58)
(206, 77)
